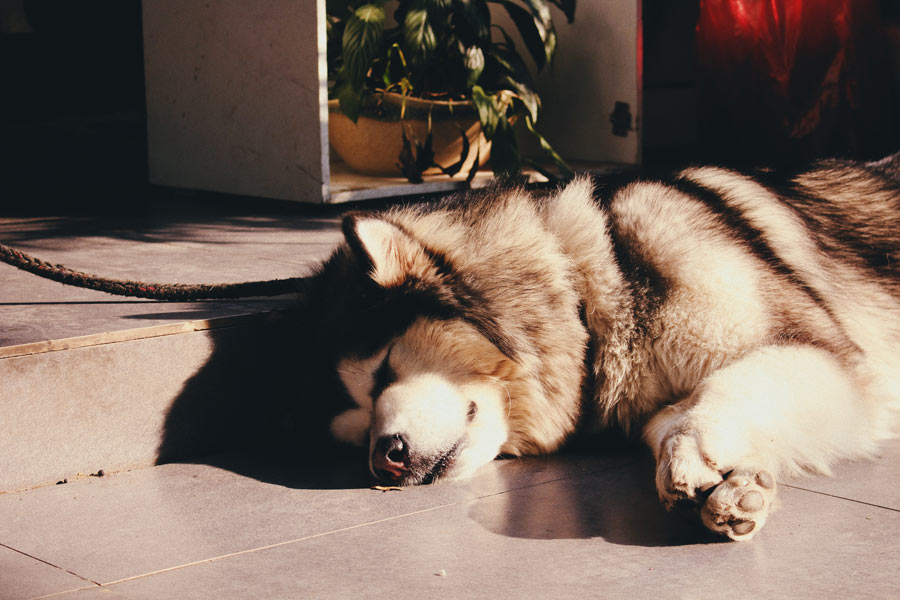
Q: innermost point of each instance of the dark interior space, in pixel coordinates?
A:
(746, 82)
(72, 115)
(72, 107)
(669, 80)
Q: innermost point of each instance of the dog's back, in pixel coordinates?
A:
(748, 325)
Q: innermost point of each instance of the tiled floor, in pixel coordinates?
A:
(259, 525)
(265, 525)
(170, 246)
(87, 379)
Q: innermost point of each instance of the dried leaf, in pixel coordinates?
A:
(387, 488)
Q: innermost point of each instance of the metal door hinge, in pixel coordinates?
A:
(620, 118)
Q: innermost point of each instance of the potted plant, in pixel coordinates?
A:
(442, 57)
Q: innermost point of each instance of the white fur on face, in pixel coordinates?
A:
(442, 396)
(428, 410)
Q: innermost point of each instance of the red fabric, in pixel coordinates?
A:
(797, 78)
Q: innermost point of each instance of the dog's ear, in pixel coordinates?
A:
(389, 254)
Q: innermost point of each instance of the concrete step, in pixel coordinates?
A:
(92, 382)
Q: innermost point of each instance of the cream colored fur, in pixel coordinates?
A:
(723, 405)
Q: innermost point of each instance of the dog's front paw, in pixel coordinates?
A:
(683, 473)
(738, 507)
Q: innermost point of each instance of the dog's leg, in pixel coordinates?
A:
(776, 411)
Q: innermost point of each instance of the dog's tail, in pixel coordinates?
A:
(888, 163)
(889, 166)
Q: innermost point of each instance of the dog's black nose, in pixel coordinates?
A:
(390, 458)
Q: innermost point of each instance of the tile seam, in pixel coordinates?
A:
(272, 546)
(872, 504)
(50, 564)
(312, 536)
(130, 335)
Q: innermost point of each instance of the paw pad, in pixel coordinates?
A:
(739, 506)
(742, 527)
(765, 479)
(751, 502)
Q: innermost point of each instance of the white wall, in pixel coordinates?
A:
(236, 96)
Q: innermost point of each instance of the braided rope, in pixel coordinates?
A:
(154, 291)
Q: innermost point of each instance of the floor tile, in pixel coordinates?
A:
(176, 248)
(54, 318)
(594, 536)
(251, 524)
(149, 519)
(118, 405)
(874, 481)
(23, 577)
(262, 525)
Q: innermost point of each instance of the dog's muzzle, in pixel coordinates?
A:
(390, 458)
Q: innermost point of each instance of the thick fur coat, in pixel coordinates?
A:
(747, 326)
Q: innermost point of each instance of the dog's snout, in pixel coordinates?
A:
(390, 458)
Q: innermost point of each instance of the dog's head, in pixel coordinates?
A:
(431, 403)
(459, 362)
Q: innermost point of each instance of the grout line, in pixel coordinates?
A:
(72, 591)
(275, 545)
(794, 487)
(50, 564)
(524, 487)
(140, 302)
(130, 335)
(307, 537)
(333, 531)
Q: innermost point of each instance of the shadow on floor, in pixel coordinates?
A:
(255, 393)
(614, 499)
(254, 409)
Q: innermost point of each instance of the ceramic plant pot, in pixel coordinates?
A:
(373, 144)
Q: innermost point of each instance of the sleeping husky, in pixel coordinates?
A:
(748, 327)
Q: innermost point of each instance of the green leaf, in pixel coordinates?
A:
(395, 72)
(507, 42)
(568, 8)
(540, 10)
(472, 22)
(505, 159)
(438, 9)
(474, 62)
(350, 98)
(418, 35)
(548, 150)
(361, 42)
(536, 28)
(528, 97)
(513, 75)
(408, 165)
(463, 155)
(414, 164)
(488, 113)
(334, 45)
(474, 168)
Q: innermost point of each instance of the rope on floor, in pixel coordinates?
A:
(153, 291)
